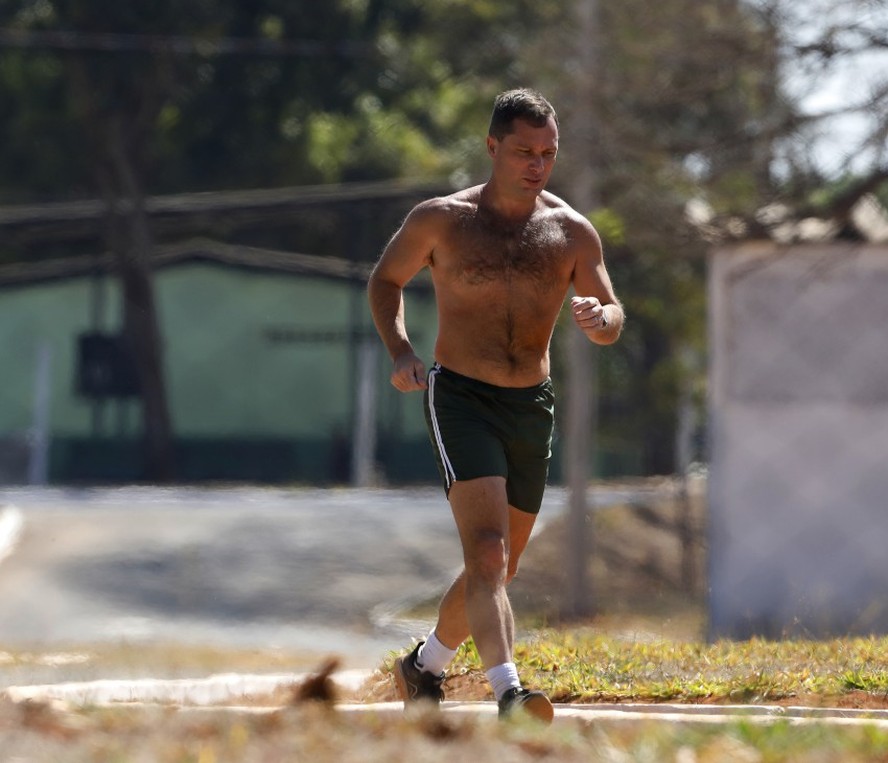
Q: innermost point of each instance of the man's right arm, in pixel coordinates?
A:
(408, 251)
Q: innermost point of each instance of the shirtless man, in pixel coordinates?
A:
(502, 257)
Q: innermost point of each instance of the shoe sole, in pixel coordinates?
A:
(401, 682)
(536, 706)
(404, 688)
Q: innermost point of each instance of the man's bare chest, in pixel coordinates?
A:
(485, 253)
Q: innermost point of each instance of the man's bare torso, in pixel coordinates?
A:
(500, 285)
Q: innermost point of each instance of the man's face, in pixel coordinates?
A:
(524, 158)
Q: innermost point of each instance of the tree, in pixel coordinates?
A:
(686, 102)
(120, 116)
(145, 98)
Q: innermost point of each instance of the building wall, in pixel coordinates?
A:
(228, 376)
(799, 437)
(48, 315)
(260, 367)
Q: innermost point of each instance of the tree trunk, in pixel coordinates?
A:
(130, 240)
(582, 360)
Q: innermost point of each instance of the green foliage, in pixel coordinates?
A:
(610, 226)
(882, 194)
(377, 90)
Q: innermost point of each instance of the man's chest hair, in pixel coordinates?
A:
(484, 249)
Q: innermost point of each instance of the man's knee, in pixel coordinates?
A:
(487, 558)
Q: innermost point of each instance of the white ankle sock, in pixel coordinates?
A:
(502, 678)
(433, 656)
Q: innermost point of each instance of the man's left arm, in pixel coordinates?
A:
(595, 308)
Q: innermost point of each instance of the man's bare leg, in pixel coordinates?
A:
(482, 516)
(453, 626)
(481, 511)
(476, 603)
(479, 603)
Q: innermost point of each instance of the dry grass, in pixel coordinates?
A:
(645, 575)
(314, 732)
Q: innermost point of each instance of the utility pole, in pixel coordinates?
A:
(363, 461)
(364, 362)
(581, 361)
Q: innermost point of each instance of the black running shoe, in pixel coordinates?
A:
(534, 703)
(415, 685)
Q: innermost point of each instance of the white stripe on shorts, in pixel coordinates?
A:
(449, 474)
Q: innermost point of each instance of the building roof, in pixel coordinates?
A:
(856, 215)
(178, 214)
(190, 251)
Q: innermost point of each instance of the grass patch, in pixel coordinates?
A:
(592, 668)
(581, 666)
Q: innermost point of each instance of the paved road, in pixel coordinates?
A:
(305, 569)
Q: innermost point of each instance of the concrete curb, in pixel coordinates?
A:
(685, 714)
(215, 690)
(593, 714)
(231, 694)
(11, 522)
(708, 714)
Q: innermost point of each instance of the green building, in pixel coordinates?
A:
(263, 363)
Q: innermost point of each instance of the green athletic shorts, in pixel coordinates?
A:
(482, 430)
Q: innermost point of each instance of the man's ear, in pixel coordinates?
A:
(491, 145)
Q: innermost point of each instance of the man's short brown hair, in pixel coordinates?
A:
(522, 103)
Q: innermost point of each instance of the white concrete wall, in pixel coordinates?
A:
(799, 440)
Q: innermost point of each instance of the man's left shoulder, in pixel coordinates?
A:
(559, 209)
(556, 204)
